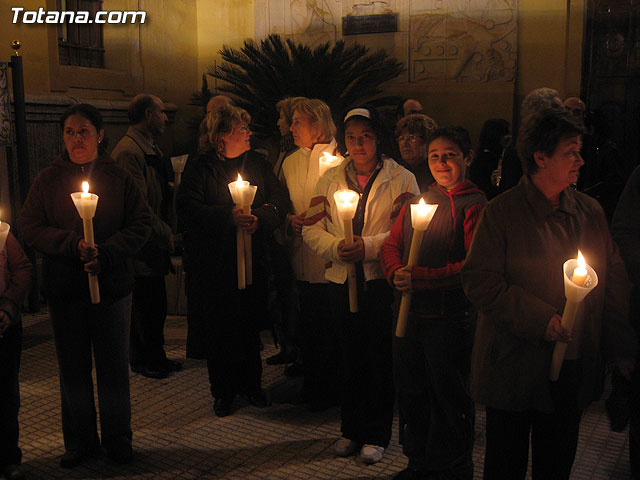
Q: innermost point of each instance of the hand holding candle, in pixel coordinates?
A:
(243, 194)
(347, 203)
(421, 215)
(579, 280)
(86, 204)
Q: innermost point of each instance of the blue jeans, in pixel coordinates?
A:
(77, 327)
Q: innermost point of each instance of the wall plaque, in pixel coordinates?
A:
(358, 24)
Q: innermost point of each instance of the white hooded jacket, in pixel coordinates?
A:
(324, 230)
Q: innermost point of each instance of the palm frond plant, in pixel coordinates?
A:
(258, 75)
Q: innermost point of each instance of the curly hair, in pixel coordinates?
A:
(219, 123)
(416, 124)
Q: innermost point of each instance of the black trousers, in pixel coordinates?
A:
(634, 429)
(367, 372)
(319, 330)
(554, 436)
(10, 349)
(78, 328)
(148, 314)
(431, 369)
(233, 361)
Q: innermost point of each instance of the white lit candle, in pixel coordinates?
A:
(327, 161)
(579, 276)
(347, 203)
(576, 272)
(421, 215)
(177, 163)
(243, 194)
(86, 204)
(4, 232)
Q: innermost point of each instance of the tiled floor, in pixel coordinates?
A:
(177, 436)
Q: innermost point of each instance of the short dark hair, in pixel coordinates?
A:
(138, 108)
(400, 108)
(92, 114)
(458, 135)
(541, 132)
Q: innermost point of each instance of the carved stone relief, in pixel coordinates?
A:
(446, 41)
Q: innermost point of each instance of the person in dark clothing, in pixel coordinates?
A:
(122, 224)
(138, 153)
(494, 138)
(412, 132)
(514, 277)
(15, 279)
(224, 321)
(510, 172)
(431, 363)
(625, 229)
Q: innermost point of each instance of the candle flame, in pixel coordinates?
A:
(421, 202)
(85, 187)
(239, 181)
(581, 263)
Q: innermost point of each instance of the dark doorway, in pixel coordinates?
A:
(611, 85)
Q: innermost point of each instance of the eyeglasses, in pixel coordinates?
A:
(243, 129)
(409, 138)
(83, 133)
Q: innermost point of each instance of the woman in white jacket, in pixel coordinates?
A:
(365, 337)
(313, 132)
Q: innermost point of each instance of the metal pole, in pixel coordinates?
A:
(20, 114)
(22, 151)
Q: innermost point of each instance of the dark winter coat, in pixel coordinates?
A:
(51, 224)
(204, 209)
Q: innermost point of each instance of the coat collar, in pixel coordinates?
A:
(541, 205)
(146, 145)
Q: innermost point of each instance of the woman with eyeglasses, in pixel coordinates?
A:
(412, 132)
(122, 223)
(224, 321)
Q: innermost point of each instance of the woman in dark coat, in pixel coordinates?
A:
(224, 321)
(122, 224)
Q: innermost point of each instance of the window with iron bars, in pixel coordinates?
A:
(80, 45)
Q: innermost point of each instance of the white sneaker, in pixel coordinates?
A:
(371, 453)
(345, 447)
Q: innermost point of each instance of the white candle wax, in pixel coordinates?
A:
(4, 232)
(327, 161)
(346, 203)
(421, 214)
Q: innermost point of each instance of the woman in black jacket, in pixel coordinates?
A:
(224, 321)
(122, 223)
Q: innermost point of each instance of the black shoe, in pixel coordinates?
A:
(172, 365)
(13, 472)
(280, 358)
(121, 454)
(260, 398)
(222, 406)
(294, 370)
(411, 474)
(71, 458)
(150, 372)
